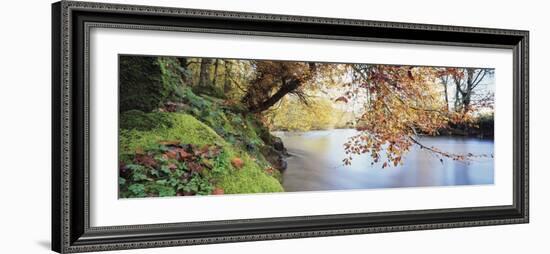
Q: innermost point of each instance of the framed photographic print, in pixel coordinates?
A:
(181, 126)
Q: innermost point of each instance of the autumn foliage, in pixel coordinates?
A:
(402, 102)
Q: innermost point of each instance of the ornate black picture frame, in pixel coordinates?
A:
(71, 231)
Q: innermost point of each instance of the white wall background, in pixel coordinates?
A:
(25, 125)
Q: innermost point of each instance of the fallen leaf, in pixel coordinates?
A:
(194, 167)
(217, 191)
(269, 170)
(171, 154)
(203, 151)
(183, 155)
(172, 166)
(145, 160)
(237, 162)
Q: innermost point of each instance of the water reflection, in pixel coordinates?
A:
(316, 164)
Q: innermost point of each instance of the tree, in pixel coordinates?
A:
(204, 75)
(445, 78)
(227, 77)
(275, 79)
(466, 81)
(396, 103)
(402, 102)
(216, 65)
(291, 115)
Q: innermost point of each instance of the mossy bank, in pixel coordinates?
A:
(239, 166)
(177, 138)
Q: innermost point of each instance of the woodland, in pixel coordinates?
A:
(204, 126)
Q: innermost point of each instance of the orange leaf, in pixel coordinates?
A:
(237, 162)
(171, 154)
(217, 191)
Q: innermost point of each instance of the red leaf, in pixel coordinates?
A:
(183, 155)
(237, 162)
(171, 154)
(194, 167)
(145, 159)
(217, 191)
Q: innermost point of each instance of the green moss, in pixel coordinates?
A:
(194, 100)
(249, 179)
(138, 120)
(146, 83)
(230, 126)
(182, 127)
(170, 74)
(140, 133)
(244, 131)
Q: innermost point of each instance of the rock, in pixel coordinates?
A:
(250, 147)
(144, 82)
(283, 164)
(278, 144)
(275, 157)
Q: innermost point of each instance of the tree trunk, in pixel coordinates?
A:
(204, 75)
(183, 66)
(445, 82)
(287, 85)
(446, 98)
(183, 62)
(216, 63)
(469, 87)
(458, 100)
(227, 77)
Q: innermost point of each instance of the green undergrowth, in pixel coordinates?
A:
(192, 152)
(241, 130)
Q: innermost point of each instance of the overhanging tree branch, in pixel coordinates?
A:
(286, 88)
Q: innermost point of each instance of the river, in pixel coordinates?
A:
(315, 164)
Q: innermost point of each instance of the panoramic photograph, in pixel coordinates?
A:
(191, 126)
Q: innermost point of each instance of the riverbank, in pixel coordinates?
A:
(481, 127)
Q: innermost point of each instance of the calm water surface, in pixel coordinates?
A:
(316, 157)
